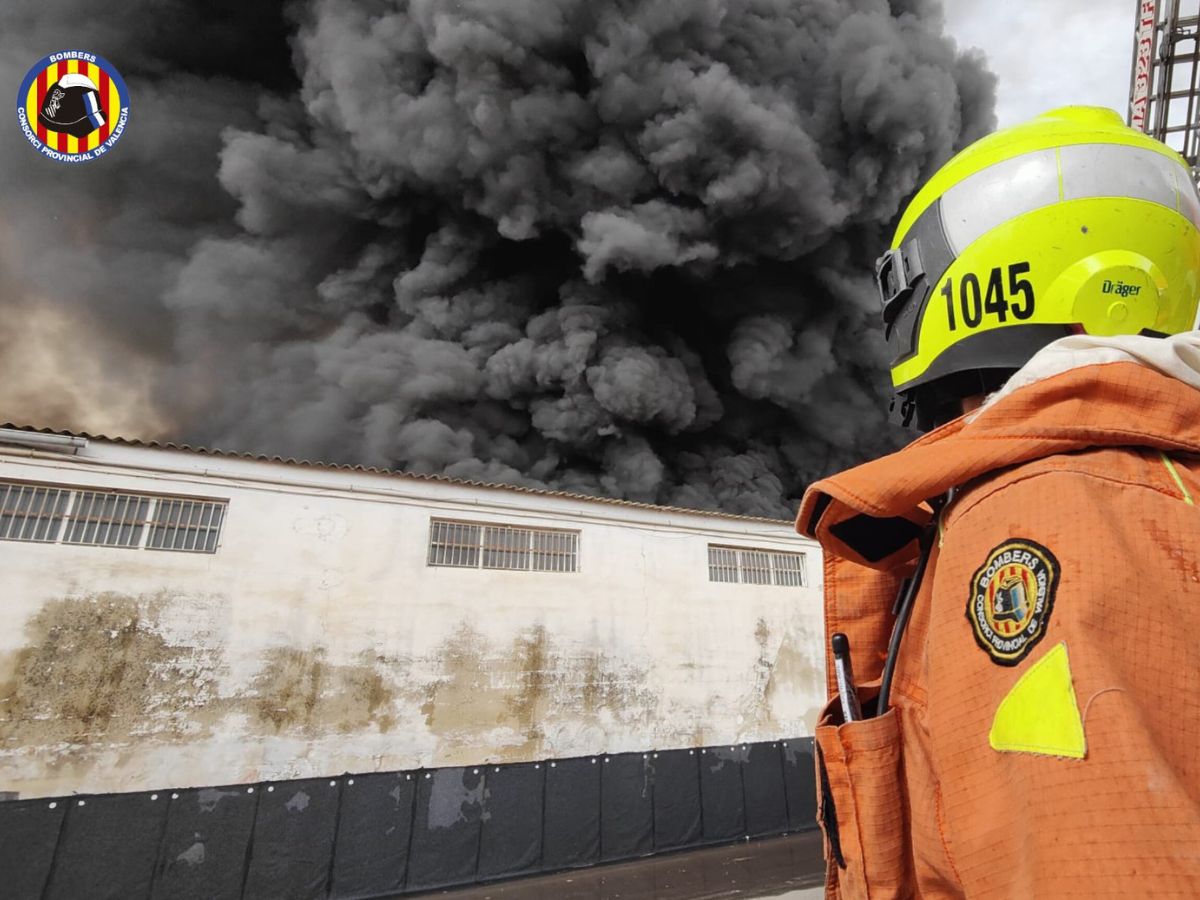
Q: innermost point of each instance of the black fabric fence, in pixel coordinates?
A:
(387, 834)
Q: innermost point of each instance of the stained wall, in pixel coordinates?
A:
(317, 641)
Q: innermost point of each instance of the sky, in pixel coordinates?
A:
(1050, 53)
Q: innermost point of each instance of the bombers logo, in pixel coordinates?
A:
(1011, 598)
(73, 106)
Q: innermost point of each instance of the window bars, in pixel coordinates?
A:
(743, 565)
(472, 546)
(454, 544)
(103, 519)
(789, 569)
(722, 564)
(100, 518)
(192, 526)
(30, 512)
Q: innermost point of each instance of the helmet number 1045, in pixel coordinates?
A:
(998, 299)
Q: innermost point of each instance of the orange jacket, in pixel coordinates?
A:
(1044, 736)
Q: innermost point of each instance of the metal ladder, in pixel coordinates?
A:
(1164, 86)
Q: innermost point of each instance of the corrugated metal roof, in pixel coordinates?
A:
(393, 473)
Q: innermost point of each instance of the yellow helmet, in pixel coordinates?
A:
(1070, 223)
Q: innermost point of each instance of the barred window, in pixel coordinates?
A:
(31, 512)
(722, 564)
(454, 544)
(100, 518)
(107, 519)
(555, 551)
(473, 546)
(756, 567)
(789, 569)
(505, 547)
(191, 526)
(744, 565)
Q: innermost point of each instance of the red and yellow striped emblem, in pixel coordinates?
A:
(109, 97)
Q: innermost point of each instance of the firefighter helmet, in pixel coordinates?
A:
(72, 106)
(1070, 223)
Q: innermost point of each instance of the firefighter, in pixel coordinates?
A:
(1021, 585)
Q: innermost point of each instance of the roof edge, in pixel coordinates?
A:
(391, 473)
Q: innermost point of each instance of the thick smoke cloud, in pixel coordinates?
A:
(87, 254)
(615, 247)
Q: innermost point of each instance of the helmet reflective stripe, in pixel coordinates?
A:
(978, 204)
(1106, 170)
(1001, 192)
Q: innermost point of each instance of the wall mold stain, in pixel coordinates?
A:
(792, 674)
(762, 636)
(605, 686)
(756, 705)
(101, 678)
(534, 681)
(298, 690)
(97, 675)
(285, 690)
(96, 668)
(533, 689)
(461, 699)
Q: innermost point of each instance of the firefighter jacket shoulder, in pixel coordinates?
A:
(1043, 738)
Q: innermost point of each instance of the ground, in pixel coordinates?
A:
(784, 868)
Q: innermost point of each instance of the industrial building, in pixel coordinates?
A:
(179, 619)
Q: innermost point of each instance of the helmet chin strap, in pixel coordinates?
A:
(931, 405)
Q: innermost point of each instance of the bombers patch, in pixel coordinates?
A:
(1012, 596)
(72, 106)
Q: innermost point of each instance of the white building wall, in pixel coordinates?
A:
(316, 640)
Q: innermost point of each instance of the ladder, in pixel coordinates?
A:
(1164, 89)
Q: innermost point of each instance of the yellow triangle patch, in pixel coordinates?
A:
(1040, 714)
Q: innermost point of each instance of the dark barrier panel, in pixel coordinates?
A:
(800, 780)
(445, 841)
(511, 842)
(382, 835)
(676, 798)
(292, 847)
(762, 781)
(722, 799)
(203, 852)
(572, 827)
(626, 806)
(28, 835)
(374, 827)
(108, 847)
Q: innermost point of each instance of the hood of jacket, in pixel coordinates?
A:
(1078, 393)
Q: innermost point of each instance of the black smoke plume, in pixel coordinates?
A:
(622, 248)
